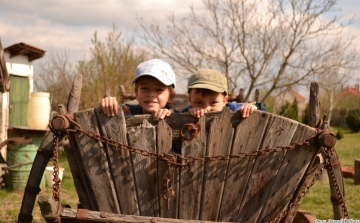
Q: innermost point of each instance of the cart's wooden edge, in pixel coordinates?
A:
(96, 216)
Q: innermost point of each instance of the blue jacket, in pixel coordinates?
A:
(234, 106)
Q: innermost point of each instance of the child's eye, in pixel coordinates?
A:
(198, 102)
(214, 102)
(160, 89)
(144, 88)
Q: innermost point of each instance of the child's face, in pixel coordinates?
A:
(152, 94)
(212, 101)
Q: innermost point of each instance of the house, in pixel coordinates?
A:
(16, 84)
(289, 95)
(352, 91)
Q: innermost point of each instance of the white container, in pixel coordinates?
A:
(39, 110)
(49, 175)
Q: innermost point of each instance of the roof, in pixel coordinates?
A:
(296, 95)
(350, 91)
(32, 52)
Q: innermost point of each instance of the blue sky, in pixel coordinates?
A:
(70, 24)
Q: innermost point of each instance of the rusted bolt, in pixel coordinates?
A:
(60, 122)
(327, 139)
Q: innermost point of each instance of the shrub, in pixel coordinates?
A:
(353, 120)
(339, 134)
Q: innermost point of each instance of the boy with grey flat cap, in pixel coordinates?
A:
(208, 91)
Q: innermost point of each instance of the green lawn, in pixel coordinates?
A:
(317, 200)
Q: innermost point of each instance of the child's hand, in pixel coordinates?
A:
(161, 113)
(109, 106)
(247, 109)
(198, 112)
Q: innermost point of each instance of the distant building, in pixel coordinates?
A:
(353, 91)
(289, 95)
(19, 75)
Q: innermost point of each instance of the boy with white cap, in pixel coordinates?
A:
(154, 90)
(208, 91)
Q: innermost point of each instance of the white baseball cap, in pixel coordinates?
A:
(158, 69)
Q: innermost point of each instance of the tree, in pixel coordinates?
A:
(256, 43)
(112, 63)
(290, 110)
(55, 75)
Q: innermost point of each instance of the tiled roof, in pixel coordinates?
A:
(32, 52)
(296, 95)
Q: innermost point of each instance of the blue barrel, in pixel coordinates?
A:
(20, 155)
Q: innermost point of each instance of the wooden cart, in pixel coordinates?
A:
(181, 169)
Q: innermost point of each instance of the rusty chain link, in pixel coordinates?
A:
(182, 161)
(56, 179)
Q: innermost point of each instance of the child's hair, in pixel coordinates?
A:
(204, 92)
(146, 77)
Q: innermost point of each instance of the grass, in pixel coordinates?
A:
(317, 200)
(10, 201)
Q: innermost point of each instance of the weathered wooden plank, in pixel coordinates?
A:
(119, 160)
(95, 162)
(68, 215)
(191, 179)
(280, 133)
(246, 140)
(168, 175)
(305, 183)
(290, 174)
(219, 143)
(145, 168)
(83, 187)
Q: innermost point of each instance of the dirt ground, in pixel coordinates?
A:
(10, 204)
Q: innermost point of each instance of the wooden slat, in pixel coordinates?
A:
(81, 181)
(95, 162)
(290, 174)
(280, 133)
(219, 143)
(119, 160)
(246, 140)
(168, 208)
(143, 137)
(191, 179)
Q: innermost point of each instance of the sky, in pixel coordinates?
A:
(69, 25)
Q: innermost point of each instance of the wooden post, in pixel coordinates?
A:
(357, 172)
(257, 95)
(240, 97)
(122, 94)
(314, 105)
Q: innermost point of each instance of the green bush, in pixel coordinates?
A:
(290, 110)
(339, 134)
(353, 120)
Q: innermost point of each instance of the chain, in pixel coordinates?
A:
(329, 153)
(301, 196)
(171, 158)
(56, 179)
